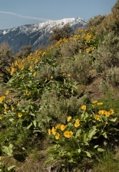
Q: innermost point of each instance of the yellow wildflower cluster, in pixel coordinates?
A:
(106, 113)
(53, 131)
(30, 61)
(90, 49)
(63, 130)
(56, 131)
(84, 36)
(88, 37)
(61, 41)
(34, 58)
(103, 113)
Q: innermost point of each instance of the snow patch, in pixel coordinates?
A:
(4, 32)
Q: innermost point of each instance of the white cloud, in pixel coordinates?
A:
(22, 16)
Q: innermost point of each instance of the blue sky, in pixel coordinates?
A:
(19, 12)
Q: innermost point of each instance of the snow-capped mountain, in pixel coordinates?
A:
(36, 35)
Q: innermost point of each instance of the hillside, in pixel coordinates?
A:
(60, 104)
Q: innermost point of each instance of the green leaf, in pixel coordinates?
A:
(84, 116)
(11, 119)
(92, 132)
(29, 126)
(79, 151)
(88, 154)
(100, 150)
(96, 146)
(105, 135)
(85, 139)
(78, 133)
(8, 149)
(113, 120)
(34, 123)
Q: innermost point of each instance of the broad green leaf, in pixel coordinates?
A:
(88, 154)
(92, 132)
(100, 150)
(96, 146)
(85, 139)
(84, 116)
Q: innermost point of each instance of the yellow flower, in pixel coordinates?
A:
(88, 37)
(62, 127)
(83, 107)
(57, 136)
(77, 123)
(53, 131)
(2, 98)
(99, 103)
(7, 92)
(89, 49)
(58, 126)
(34, 74)
(101, 112)
(107, 113)
(49, 132)
(69, 118)
(94, 102)
(111, 111)
(68, 134)
(19, 115)
(13, 69)
(97, 117)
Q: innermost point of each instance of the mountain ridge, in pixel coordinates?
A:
(36, 35)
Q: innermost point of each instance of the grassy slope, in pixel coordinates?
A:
(55, 81)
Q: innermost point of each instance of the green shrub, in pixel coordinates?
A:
(50, 110)
(107, 54)
(112, 76)
(80, 69)
(69, 49)
(59, 33)
(95, 21)
(6, 58)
